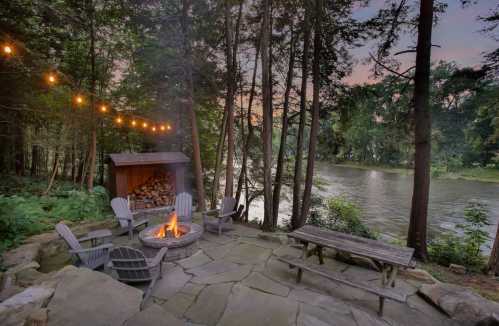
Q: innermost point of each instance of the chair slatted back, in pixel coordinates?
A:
(228, 205)
(68, 236)
(130, 264)
(72, 242)
(183, 207)
(121, 210)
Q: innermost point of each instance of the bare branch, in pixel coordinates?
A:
(388, 68)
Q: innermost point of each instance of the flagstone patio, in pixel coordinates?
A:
(233, 279)
(236, 279)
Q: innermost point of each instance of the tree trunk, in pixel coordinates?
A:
(267, 119)
(314, 127)
(295, 217)
(229, 172)
(250, 133)
(493, 265)
(196, 151)
(243, 176)
(284, 132)
(219, 159)
(416, 237)
(93, 136)
(54, 172)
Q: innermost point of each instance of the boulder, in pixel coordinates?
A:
(38, 317)
(419, 275)
(17, 308)
(356, 260)
(460, 303)
(22, 255)
(28, 277)
(86, 297)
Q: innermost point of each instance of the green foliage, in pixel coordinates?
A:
(25, 215)
(343, 216)
(465, 250)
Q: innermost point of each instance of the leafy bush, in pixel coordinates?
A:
(343, 216)
(466, 250)
(25, 215)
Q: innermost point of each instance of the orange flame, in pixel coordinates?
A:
(171, 225)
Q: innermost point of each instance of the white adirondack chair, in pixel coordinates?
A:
(223, 220)
(183, 207)
(132, 266)
(93, 257)
(125, 217)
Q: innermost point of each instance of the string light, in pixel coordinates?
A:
(51, 79)
(168, 127)
(7, 49)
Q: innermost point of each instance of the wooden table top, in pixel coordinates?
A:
(374, 249)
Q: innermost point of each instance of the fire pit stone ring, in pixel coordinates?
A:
(178, 248)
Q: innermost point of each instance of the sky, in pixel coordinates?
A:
(458, 34)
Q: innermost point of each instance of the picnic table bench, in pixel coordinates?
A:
(388, 258)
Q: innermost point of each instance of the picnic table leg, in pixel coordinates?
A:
(305, 251)
(320, 255)
(381, 306)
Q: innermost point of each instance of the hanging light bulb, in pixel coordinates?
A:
(7, 49)
(134, 123)
(51, 79)
(144, 124)
(168, 127)
(162, 128)
(103, 108)
(79, 99)
(119, 120)
(153, 129)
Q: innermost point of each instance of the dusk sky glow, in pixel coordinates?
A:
(458, 33)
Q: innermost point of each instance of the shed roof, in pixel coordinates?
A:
(125, 159)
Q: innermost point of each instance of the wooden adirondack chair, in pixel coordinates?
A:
(125, 217)
(132, 266)
(88, 257)
(224, 215)
(183, 207)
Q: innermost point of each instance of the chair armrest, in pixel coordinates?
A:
(159, 257)
(227, 214)
(94, 236)
(125, 218)
(83, 250)
(210, 211)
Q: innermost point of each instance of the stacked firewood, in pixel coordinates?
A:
(157, 191)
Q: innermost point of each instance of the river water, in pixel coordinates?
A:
(385, 199)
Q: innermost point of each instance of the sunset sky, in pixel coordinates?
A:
(458, 34)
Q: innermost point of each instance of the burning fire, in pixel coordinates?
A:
(168, 229)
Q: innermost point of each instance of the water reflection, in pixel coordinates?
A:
(385, 198)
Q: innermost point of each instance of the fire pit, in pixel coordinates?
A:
(180, 238)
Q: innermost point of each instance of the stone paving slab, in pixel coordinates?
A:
(245, 253)
(154, 315)
(172, 281)
(210, 304)
(264, 284)
(248, 307)
(215, 267)
(198, 259)
(235, 275)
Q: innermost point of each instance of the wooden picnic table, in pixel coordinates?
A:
(389, 258)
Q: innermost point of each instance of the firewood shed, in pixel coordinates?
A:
(143, 173)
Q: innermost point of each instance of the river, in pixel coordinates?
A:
(385, 199)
